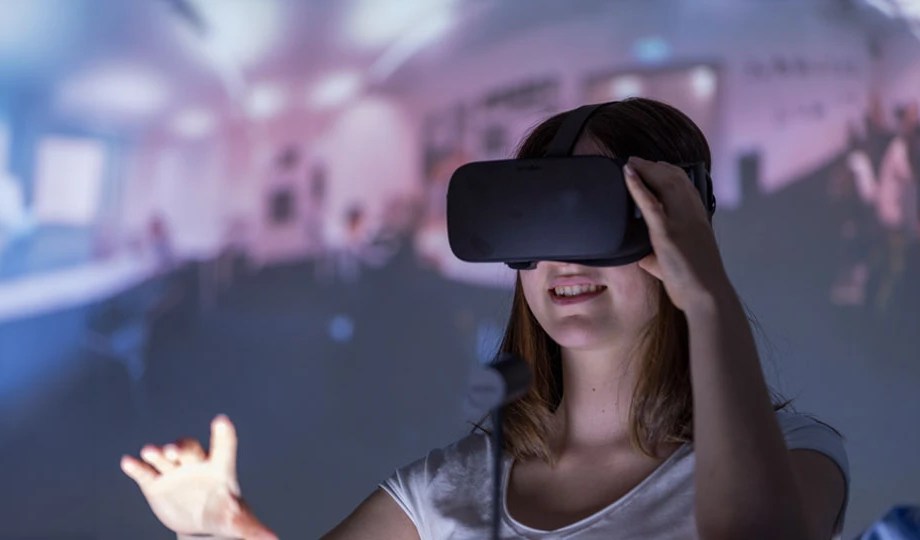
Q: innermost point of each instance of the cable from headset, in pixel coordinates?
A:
(504, 380)
(497, 461)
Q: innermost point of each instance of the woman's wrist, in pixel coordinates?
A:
(710, 304)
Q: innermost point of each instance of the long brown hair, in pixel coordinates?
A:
(662, 405)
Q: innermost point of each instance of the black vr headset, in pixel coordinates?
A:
(555, 208)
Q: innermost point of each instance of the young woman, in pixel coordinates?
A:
(649, 416)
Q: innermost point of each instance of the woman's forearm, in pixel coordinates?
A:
(744, 482)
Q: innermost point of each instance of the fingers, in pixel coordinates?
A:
(185, 451)
(223, 444)
(675, 198)
(155, 457)
(138, 471)
(661, 176)
(648, 203)
(159, 461)
(669, 183)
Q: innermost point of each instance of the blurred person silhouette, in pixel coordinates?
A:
(649, 416)
(878, 134)
(161, 244)
(401, 218)
(852, 190)
(897, 207)
(348, 257)
(121, 327)
(282, 223)
(313, 213)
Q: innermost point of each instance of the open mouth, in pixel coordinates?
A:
(570, 294)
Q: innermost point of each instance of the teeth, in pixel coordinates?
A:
(575, 290)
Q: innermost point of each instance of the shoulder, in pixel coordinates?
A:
(445, 477)
(794, 423)
(457, 464)
(457, 457)
(805, 432)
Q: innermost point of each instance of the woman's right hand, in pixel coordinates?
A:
(194, 493)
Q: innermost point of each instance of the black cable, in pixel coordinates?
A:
(502, 381)
(496, 471)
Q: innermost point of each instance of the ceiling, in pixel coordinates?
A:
(85, 58)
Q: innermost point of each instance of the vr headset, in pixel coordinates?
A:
(554, 208)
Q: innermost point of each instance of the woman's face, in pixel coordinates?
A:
(586, 307)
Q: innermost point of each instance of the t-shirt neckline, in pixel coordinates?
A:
(587, 520)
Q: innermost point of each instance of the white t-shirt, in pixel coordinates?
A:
(448, 493)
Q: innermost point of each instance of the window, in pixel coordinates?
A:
(68, 180)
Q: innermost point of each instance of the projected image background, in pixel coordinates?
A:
(240, 209)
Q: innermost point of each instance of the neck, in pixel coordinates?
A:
(598, 386)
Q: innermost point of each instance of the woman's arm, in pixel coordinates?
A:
(377, 517)
(748, 485)
(190, 490)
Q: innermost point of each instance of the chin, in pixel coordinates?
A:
(579, 336)
(583, 345)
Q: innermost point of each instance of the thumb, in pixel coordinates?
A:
(649, 263)
(223, 444)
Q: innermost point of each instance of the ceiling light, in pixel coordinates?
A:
(335, 90)
(122, 90)
(626, 86)
(193, 123)
(264, 101)
(703, 82)
(375, 23)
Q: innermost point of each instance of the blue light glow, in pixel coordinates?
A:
(651, 50)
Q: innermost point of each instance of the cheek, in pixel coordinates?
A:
(532, 290)
(538, 300)
(636, 295)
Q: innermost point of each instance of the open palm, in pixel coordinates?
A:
(192, 492)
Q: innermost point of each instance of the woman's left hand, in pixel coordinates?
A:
(685, 256)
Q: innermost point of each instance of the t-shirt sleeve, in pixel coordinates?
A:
(434, 485)
(409, 486)
(803, 432)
